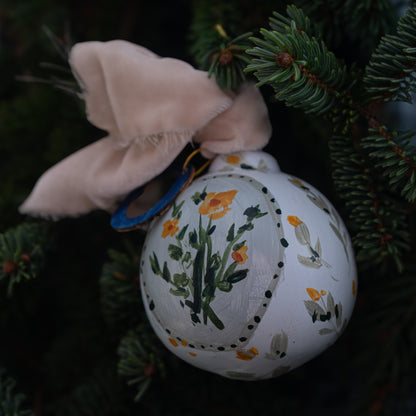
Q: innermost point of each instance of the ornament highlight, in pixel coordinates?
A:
(250, 273)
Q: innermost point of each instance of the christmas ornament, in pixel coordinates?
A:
(250, 273)
(246, 272)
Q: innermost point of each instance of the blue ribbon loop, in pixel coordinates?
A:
(121, 222)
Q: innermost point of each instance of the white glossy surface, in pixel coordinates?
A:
(291, 264)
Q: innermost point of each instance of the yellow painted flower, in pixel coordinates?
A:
(192, 354)
(216, 205)
(323, 292)
(294, 220)
(313, 293)
(173, 342)
(170, 228)
(240, 255)
(247, 355)
(234, 160)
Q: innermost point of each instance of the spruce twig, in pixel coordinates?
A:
(11, 403)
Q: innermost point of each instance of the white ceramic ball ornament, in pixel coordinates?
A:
(250, 273)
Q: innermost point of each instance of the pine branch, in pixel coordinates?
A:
(140, 359)
(22, 253)
(378, 222)
(355, 22)
(396, 156)
(214, 49)
(11, 403)
(120, 297)
(301, 70)
(390, 74)
(388, 336)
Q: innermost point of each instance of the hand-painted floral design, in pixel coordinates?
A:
(238, 160)
(233, 159)
(302, 234)
(247, 355)
(204, 268)
(170, 228)
(278, 346)
(321, 204)
(240, 255)
(322, 308)
(216, 205)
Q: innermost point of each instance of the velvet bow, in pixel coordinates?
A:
(151, 108)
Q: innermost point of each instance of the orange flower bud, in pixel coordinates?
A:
(313, 293)
(294, 220)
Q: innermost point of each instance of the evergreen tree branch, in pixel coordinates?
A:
(11, 403)
(214, 49)
(22, 253)
(140, 359)
(119, 287)
(390, 74)
(396, 156)
(378, 221)
(301, 70)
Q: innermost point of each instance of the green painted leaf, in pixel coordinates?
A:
(237, 276)
(177, 208)
(193, 239)
(313, 309)
(166, 272)
(208, 291)
(180, 291)
(175, 252)
(211, 230)
(246, 227)
(325, 331)
(302, 234)
(180, 279)
(325, 317)
(215, 261)
(224, 286)
(214, 318)
(238, 245)
(230, 270)
(187, 257)
(330, 303)
(339, 317)
(181, 234)
(253, 212)
(309, 262)
(230, 235)
(154, 263)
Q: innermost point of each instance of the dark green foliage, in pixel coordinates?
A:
(215, 48)
(377, 220)
(395, 155)
(302, 72)
(390, 74)
(60, 332)
(98, 394)
(22, 253)
(140, 359)
(120, 297)
(11, 402)
(354, 24)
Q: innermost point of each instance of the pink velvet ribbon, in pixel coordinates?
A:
(151, 108)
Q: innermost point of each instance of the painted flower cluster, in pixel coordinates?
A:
(205, 267)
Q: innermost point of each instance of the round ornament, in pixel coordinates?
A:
(250, 273)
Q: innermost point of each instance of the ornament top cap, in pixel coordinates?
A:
(245, 162)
